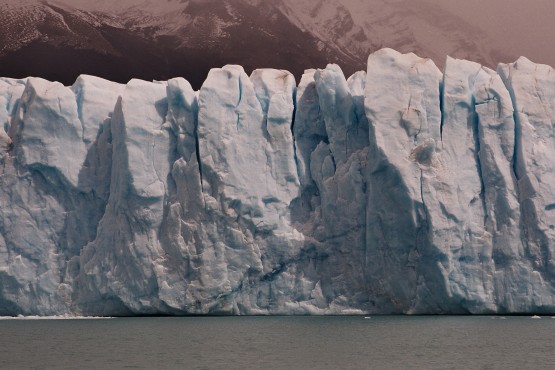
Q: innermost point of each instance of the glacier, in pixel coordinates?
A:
(401, 189)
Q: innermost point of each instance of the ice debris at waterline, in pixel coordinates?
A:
(398, 190)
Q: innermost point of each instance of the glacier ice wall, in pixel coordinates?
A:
(401, 189)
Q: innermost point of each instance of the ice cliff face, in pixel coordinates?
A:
(401, 189)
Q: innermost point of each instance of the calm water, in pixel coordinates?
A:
(280, 343)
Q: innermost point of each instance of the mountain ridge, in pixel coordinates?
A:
(185, 38)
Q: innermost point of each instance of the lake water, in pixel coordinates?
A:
(386, 342)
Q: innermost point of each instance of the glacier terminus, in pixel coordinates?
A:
(401, 189)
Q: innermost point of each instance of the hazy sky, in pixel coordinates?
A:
(524, 27)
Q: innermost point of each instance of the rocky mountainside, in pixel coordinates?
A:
(157, 40)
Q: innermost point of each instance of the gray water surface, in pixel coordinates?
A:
(388, 342)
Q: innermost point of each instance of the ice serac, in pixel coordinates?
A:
(275, 91)
(243, 232)
(496, 132)
(338, 108)
(120, 267)
(95, 103)
(309, 127)
(459, 223)
(46, 217)
(49, 112)
(339, 169)
(338, 163)
(403, 108)
(357, 86)
(10, 92)
(182, 116)
(96, 99)
(478, 222)
(398, 190)
(532, 88)
(239, 142)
